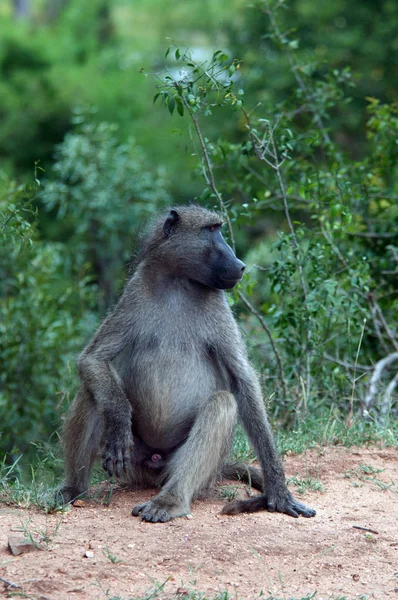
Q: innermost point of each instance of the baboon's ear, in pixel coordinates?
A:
(171, 222)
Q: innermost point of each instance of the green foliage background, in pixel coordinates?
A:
(298, 117)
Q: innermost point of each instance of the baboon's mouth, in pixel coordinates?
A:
(231, 280)
(230, 283)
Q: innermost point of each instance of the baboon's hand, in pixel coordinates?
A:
(117, 451)
(282, 501)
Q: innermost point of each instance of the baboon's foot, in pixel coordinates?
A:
(284, 502)
(302, 509)
(67, 494)
(159, 510)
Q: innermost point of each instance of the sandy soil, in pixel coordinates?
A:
(247, 555)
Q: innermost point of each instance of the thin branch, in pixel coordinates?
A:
(365, 529)
(264, 325)
(347, 365)
(376, 324)
(354, 379)
(379, 368)
(261, 268)
(373, 302)
(10, 584)
(388, 395)
(276, 196)
(371, 234)
(377, 315)
(335, 249)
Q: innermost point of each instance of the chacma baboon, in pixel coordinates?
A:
(167, 374)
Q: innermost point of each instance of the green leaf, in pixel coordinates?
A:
(177, 54)
(180, 106)
(171, 104)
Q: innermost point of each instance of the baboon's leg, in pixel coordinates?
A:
(245, 473)
(197, 463)
(81, 438)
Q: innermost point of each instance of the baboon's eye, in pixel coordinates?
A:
(214, 227)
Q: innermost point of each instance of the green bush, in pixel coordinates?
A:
(102, 192)
(45, 317)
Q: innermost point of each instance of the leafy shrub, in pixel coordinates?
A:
(44, 318)
(102, 192)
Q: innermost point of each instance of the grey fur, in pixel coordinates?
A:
(169, 369)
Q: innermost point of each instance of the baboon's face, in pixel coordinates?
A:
(221, 269)
(195, 249)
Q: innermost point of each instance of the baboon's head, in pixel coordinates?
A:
(188, 243)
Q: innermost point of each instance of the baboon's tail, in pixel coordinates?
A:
(245, 473)
(254, 504)
(253, 477)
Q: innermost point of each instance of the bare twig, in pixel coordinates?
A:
(371, 234)
(379, 368)
(349, 417)
(373, 312)
(388, 395)
(264, 325)
(377, 313)
(10, 584)
(330, 241)
(366, 529)
(347, 365)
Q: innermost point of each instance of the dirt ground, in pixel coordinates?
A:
(97, 551)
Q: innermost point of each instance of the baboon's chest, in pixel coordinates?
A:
(169, 370)
(168, 380)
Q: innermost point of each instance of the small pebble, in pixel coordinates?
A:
(20, 545)
(79, 503)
